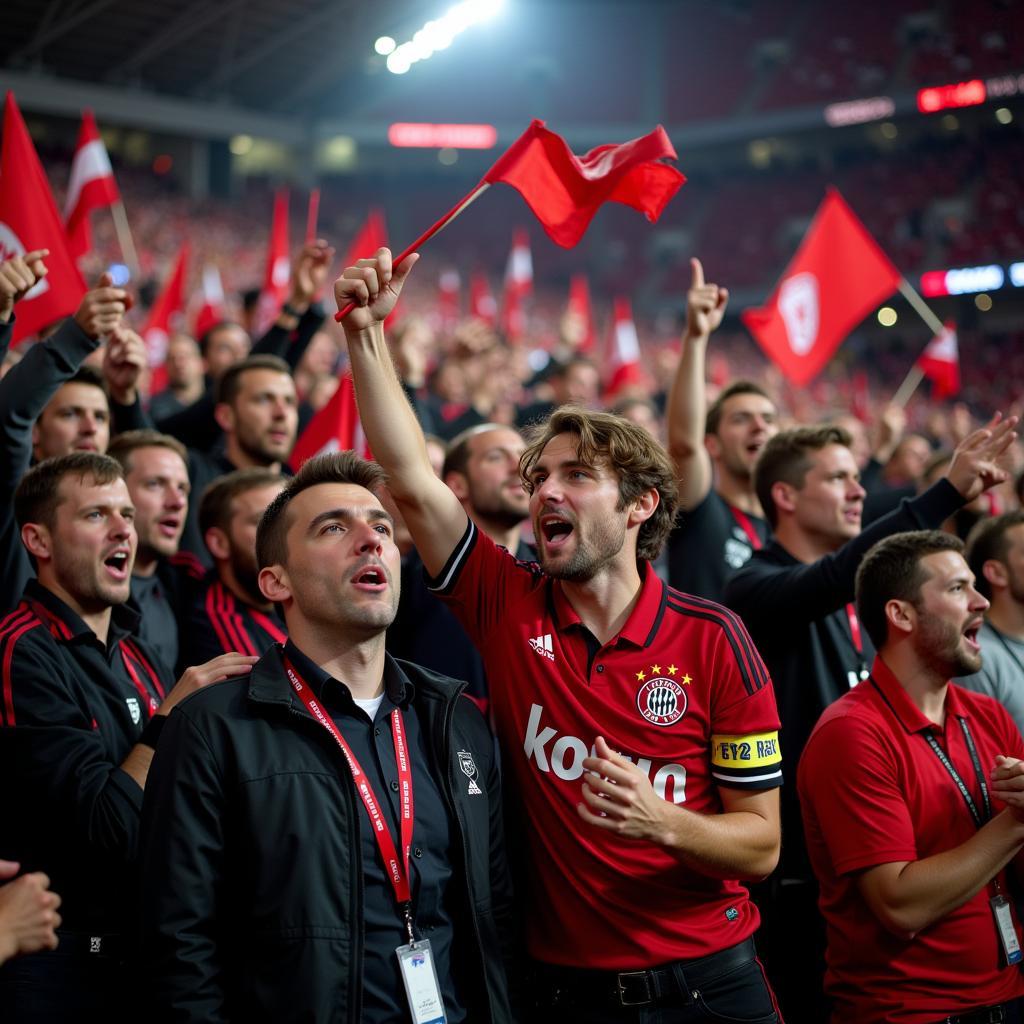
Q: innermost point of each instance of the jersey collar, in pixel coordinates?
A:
(910, 716)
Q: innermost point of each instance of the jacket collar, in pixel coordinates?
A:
(67, 625)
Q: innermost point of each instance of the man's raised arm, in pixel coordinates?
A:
(435, 517)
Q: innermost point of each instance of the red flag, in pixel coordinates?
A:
(940, 363)
(518, 286)
(449, 289)
(838, 275)
(91, 186)
(211, 309)
(164, 317)
(581, 313)
(334, 428)
(481, 302)
(29, 221)
(371, 237)
(860, 399)
(564, 190)
(624, 351)
(275, 277)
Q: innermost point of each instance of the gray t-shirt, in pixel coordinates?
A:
(1002, 672)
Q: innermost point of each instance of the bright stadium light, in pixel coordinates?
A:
(887, 316)
(437, 34)
(384, 45)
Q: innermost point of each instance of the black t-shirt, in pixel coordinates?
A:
(710, 542)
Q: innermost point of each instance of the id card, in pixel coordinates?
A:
(419, 975)
(1007, 933)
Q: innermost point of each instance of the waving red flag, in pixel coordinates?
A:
(940, 363)
(564, 190)
(211, 301)
(481, 300)
(90, 187)
(278, 268)
(518, 286)
(623, 367)
(29, 221)
(838, 275)
(164, 317)
(334, 428)
(581, 312)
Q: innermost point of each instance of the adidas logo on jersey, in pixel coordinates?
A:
(542, 646)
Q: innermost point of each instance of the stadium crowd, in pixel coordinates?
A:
(669, 600)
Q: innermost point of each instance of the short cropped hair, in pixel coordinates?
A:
(456, 456)
(125, 445)
(207, 336)
(37, 495)
(331, 468)
(988, 541)
(892, 571)
(215, 505)
(737, 387)
(231, 382)
(640, 462)
(787, 457)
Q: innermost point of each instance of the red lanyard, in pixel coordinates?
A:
(149, 702)
(851, 614)
(747, 526)
(398, 870)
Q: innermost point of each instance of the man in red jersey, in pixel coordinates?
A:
(913, 801)
(639, 724)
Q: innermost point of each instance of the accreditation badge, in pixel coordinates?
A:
(419, 976)
(1007, 933)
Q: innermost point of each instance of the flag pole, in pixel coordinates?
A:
(124, 238)
(916, 374)
(311, 215)
(429, 233)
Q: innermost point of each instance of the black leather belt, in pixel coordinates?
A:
(575, 986)
(986, 1015)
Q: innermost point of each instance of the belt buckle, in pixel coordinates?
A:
(644, 977)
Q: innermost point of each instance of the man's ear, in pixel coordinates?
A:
(217, 543)
(643, 507)
(713, 445)
(901, 615)
(784, 496)
(995, 572)
(38, 541)
(225, 416)
(274, 584)
(458, 485)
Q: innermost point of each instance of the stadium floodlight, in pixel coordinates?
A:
(384, 45)
(437, 34)
(887, 316)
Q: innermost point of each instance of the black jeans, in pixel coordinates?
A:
(727, 986)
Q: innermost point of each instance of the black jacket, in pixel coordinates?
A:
(252, 882)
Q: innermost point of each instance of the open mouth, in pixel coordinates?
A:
(117, 565)
(555, 531)
(170, 526)
(372, 579)
(971, 636)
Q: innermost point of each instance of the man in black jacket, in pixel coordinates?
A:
(281, 874)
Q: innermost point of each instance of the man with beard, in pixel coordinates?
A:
(995, 553)
(229, 611)
(336, 810)
(721, 523)
(257, 409)
(163, 579)
(481, 467)
(638, 723)
(83, 704)
(913, 802)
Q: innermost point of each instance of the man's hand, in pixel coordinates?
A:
(618, 797)
(374, 288)
(213, 671)
(101, 309)
(17, 276)
(1007, 783)
(705, 304)
(889, 431)
(123, 361)
(309, 274)
(28, 913)
(975, 465)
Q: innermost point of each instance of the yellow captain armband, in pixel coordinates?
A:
(747, 762)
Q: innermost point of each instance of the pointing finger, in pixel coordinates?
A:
(697, 273)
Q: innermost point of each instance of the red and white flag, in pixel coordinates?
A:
(518, 286)
(623, 364)
(838, 275)
(334, 428)
(482, 305)
(449, 298)
(28, 221)
(91, 186)
(278, 268)
(211, 301)
(940, 362)
(581, 313)
(165, 317)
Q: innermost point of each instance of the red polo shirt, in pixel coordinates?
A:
(681, 691)
(873, 792)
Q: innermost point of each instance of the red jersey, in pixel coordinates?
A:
(680, 691)
(874, 792)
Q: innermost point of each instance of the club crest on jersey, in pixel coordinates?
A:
(468, 766)
(134, 709)
(661, 700)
